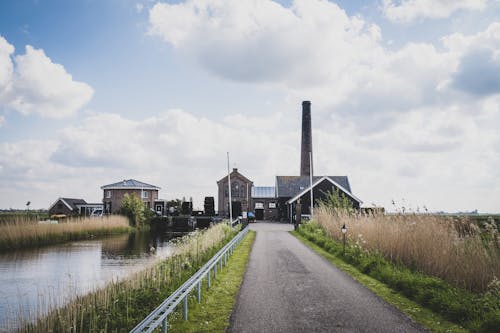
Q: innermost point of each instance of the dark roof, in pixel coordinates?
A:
(263, 192)
(289, 186)
(74, 202)
(319, 181)
(130, 184)
(69, 202)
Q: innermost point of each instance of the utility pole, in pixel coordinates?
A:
(229, 188)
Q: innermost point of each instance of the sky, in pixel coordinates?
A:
(405, 97)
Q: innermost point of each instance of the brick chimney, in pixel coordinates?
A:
(306, 144)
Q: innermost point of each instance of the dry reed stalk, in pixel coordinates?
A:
(436, 245)
(21, 232)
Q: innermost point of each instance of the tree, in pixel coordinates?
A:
(337, 201)
(133, 207)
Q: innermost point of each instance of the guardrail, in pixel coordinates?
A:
(235, 222)
(159, 315)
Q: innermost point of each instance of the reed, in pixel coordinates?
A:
(453, 249)
(122, 304)
(25, 233)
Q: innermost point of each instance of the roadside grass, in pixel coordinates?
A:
(428, 300)
(21, 233)
(214, 311)
(121, 305)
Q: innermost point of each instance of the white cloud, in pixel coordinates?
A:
(33, 84)
(262, 41)
(314, 49)
(429, 157)
(2, 120)
(410, 10)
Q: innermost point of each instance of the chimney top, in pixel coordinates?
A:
(235, 169)
(306, 103)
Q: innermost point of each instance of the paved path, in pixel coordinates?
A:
(289, 288)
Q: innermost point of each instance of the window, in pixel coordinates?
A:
(272, 205)
(144, 194)
(259, 205)
(108, 194)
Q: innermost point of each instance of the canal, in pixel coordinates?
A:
(33, 280)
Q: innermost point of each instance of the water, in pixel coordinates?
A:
(32, 280)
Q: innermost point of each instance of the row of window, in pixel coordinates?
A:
(260, 205)
(144, 194)
(237, 190)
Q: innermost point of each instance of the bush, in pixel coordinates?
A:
(133, 207)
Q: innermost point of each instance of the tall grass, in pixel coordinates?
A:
(24, 233)
(451, 249)
(122, 304)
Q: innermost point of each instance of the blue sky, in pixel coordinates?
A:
(405, 96)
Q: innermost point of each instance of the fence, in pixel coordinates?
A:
(159, 315)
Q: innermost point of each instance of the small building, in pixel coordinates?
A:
(265, 203)
(66, 206)
(113, 194)
(320, 188)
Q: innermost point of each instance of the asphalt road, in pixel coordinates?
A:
(289, 288)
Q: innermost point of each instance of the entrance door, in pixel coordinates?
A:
(259, 214)
(236, 207)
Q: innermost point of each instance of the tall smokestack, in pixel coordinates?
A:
(306, 168)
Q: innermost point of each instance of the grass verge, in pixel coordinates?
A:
(214, 311)
(428, 300)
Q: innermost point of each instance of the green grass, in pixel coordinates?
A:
(212, 314)
(428, 300)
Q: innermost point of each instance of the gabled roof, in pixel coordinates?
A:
(263, 192)
(129, 184)
(289, 186)
(235, 172)
(319, 181)
(69, 202)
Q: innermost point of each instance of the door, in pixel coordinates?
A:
(236, 207)
(259, 214)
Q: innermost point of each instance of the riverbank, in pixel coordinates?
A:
(424, 298)
(22, 234)
(122, 304)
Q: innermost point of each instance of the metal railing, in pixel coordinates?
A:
(235, 222)
(159, 315)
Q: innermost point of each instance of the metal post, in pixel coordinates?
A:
(215, 271)
(185, 308)
(208, 278)
(343, 252)
(199, 291)
(164, 325)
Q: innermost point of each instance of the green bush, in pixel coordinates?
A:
(477, 312)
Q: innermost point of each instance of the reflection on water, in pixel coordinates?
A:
(32, 280)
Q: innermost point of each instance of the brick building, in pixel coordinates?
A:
(113, 194)
(241, 188)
